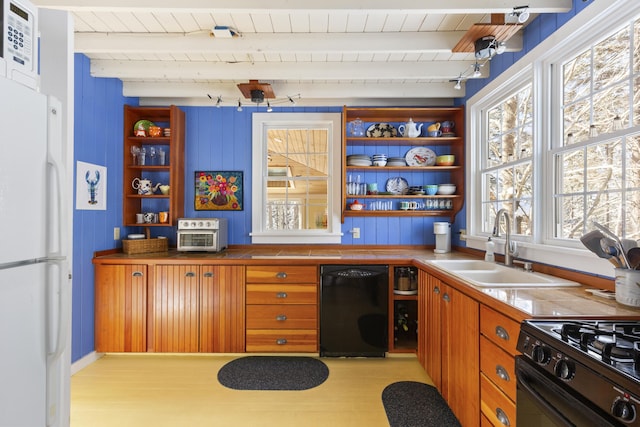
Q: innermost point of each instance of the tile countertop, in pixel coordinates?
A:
(519, 303)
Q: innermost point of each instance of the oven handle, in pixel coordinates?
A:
(520, 374)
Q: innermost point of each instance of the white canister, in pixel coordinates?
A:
(628, 286)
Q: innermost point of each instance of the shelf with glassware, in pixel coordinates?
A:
(383, 134)
(153, 184)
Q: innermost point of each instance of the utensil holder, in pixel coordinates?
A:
(628, 287)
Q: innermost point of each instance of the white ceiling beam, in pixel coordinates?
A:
(184, 71)
(230, 93)
(261, 6)
(407, 42)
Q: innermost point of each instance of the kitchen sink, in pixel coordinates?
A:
(491, 275)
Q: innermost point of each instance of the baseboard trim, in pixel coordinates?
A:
(87, 360)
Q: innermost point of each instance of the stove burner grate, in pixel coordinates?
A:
(612, 341)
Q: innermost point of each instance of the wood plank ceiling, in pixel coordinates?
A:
(333, 52)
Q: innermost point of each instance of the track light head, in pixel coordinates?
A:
(239, 105)
(521, 13)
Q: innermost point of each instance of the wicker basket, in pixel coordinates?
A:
(144, 246)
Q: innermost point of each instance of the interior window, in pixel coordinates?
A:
(296, 165)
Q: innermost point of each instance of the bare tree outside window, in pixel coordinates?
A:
(597, 164)
(507, 176)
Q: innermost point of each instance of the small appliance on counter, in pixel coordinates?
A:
(442, 230)
(202, 234)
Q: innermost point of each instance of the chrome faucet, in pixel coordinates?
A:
(508, 254)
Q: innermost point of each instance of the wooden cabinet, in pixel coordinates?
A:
(196, 308)
(449, 345)
(170, 172)
(497, 362)
(281, 309)
(388, 204)
(121, 308)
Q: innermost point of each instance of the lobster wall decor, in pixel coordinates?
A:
(92, 186)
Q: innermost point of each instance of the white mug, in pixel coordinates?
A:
(139, 218)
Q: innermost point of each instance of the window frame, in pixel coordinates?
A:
(583, 30)
(261, 122)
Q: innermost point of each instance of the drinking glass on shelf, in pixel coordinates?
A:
(135, 150)
(152, 156)
(142, 156)
(162, 156)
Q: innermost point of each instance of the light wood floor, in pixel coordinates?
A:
(183, 390)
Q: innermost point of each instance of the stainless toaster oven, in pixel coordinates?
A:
(202, 234)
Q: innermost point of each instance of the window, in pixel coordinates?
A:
(564, 121)
(507, 171)
(296, 166)
(597, 163)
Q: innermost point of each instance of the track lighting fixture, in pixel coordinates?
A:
(476, 70)
(239, 105)
(291, 100)
(269, 109)
(458, 86)
(521, 13)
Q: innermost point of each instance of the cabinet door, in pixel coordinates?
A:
(222, 319)
(121, 308)
(174, 312)
(433, 330)
(461, 355)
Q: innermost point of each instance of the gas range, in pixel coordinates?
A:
(598, 361)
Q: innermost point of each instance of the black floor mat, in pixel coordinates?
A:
(273, 373)
(414, 404)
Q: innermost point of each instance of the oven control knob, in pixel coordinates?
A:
(564, 369)
(541, 355)
(623, 409)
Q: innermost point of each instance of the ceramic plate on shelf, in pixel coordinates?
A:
(420, 156)
(143, 124)
(381, 130)
(397, 185)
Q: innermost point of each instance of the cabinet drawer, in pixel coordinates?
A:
(500, 329)
(498, 366)
(282, 274)
(290, 316)
(282, 294)
(283, 340)
(495, 405)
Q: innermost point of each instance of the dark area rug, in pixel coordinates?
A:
(273, 373)
(414, 404)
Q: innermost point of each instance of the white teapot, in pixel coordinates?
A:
(144, 186)
(410, 129)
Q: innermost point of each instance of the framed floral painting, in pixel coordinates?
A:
(219, 191)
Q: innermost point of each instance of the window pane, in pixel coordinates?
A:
(505, 184)
(523, 222)
(606, 208)
(577, 77)
(604, 167)
(570, 216)
(632, 163)
(608, 103)
(571, 172)
(636, 46)
(490, 186)
(577, 119)
(611, 59)
(523, 184)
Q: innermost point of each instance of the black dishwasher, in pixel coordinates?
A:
(354, 310)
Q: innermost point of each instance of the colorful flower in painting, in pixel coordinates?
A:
(219, 190)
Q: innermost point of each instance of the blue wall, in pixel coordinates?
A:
(216, 138)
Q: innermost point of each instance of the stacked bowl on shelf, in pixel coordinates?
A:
(379, 159)
(358, 160)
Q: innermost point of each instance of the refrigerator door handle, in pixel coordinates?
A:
(57, 193)
(62, 308)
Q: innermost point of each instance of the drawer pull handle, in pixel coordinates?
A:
(208, 274)
(502, 373)
(502, 333)
(281, 295)
(190, 274)
(446, 297)
(281, 341)
(502, 417)
(137, 274)
(281, 317)
(281, 275)
(436, 290)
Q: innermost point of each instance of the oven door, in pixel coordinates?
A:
(198, 240)
(543, 401)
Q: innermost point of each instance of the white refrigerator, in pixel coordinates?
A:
(35, 281)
